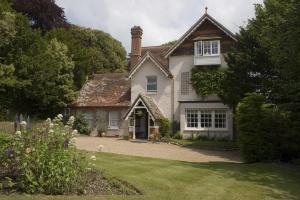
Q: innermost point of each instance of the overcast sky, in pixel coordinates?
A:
(162, 20)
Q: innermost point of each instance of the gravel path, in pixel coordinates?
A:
(161, 150)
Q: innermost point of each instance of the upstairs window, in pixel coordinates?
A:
(207, 48)
(151, 84)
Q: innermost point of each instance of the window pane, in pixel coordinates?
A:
(215, 47)
(151, 83)
(114, 119)
(192, 118)
(206, 48)
(185, 83)
(220, 119)
(206, 119)
(199, 48)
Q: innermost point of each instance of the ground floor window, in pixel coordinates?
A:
(113, 120)
(206, 119)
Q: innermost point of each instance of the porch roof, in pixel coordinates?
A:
(150, 106)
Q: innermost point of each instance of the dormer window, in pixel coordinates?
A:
(207, 48)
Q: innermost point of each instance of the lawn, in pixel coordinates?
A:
(165, 179)
(209, 144)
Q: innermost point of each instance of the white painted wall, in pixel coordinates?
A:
(177, 65)
(164, 87)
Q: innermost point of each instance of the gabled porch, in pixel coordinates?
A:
(144, 118)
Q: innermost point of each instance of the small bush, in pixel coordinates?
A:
(262, 129)
(165, 127)
(43, 161)
(81, 125)
(178, 135)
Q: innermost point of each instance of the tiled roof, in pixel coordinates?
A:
(159, 53)
(155, 111)
(105, 90)
(150, 105)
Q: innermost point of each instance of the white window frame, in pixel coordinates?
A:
(199, 128)
(117, 120)
(149, 83)
(199, 48)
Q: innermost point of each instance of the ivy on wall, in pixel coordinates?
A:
(206, 80)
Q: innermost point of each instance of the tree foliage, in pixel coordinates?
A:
(43, 14)
(206, 80)
(93, 51)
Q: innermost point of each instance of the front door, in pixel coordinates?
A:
(141, 124)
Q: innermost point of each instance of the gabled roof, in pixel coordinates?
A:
(150, 105)
(149, 56)
(105, 90)
(194, 27)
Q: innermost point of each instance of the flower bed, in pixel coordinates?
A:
(46, 161)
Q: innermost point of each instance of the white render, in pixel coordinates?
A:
(162, 97)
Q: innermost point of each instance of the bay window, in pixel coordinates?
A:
(201, 119)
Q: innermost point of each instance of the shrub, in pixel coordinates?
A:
(178, 135)
(81, 125)
(165, 127)
(261, 129)
(44, 161)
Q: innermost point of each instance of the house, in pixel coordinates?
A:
(104, 100)
(160, 87)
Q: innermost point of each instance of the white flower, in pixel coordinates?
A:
(19, 133)
(93, 158)
(28, 150)
(51, 125)
(73, 141)
(74, 133)
(23, 124)
(51, 131)
(48, 120)
(72, 119)
(60, 116)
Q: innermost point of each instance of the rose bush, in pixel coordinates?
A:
(43, 161)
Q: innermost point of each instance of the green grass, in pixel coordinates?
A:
(209, 144)
(165, 179)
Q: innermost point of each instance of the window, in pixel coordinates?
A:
(207, 48)
(220, 119)
(113, 120)
(151, 84)
(206, 119)
(192, 118)
(185, 83)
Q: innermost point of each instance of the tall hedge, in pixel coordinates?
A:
(262, 129)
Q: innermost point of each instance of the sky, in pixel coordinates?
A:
(161, 20)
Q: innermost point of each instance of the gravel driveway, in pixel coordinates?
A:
(160, 150)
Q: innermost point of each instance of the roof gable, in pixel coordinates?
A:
(204, 18)
(148, 56)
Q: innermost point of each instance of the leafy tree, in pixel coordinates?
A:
(43, 14)
(93, 51)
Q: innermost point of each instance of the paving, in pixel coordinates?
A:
(154, 150)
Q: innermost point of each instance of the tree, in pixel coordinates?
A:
(93, 51)
(43, 14)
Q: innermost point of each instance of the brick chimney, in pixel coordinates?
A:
(136, 45)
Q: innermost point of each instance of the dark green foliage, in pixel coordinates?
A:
(206, 80)
(43, 14)
(262, 129)
(164, 128)
(93, 51)
(81, 125)
(178, 135)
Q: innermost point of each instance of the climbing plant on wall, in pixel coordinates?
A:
(206, 80)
